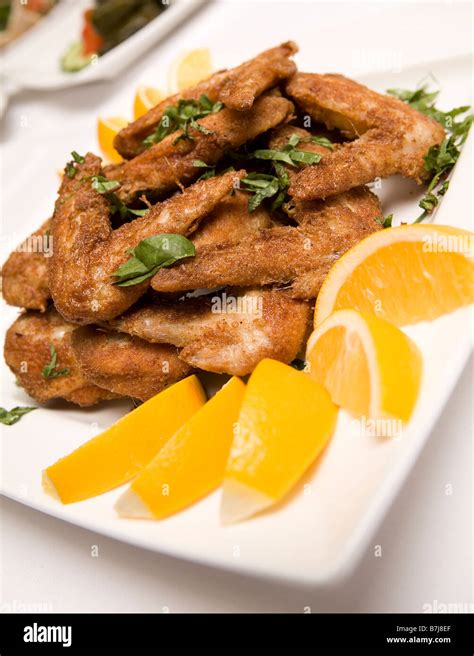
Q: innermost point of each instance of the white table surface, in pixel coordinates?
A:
(426, 538)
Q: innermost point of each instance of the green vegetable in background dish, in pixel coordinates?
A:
(73, 60)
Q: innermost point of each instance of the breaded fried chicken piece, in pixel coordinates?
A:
(295, 258)
(231, 220)
(25, 273)
(390, 137)
(126, 365)
(27, 351)
(238, 88)
(87, 251)
(167, 164)
(224, 332)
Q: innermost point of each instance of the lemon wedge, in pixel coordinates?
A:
(145, 99)
(120, 452)
(189, 68)
(192, 462)
(405, 274)
(369, 367)
(107, 128)
(285, 421)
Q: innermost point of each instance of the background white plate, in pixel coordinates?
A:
(322, 529)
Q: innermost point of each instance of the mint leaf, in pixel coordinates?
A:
(10, 417)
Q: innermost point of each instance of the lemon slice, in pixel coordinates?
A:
(107, 128)
(120, 452)
(191, 464)
(189, 68)
(145, 99)
(285, 421)
(369, 367)
(405, 274)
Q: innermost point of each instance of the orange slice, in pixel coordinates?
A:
(189, 68)
(405, 274)
(369, 367)
(285, 421)
(191, 464)
(120, 452)
(145, 99)
(107, 128)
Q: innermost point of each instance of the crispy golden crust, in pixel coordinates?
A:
(225, 332)
(390, 136)
(126, 365)
(230, 220)
(87, 250)
(27, 351)
(237, 88)
(166, 165)
(25, 273)
(297, 258)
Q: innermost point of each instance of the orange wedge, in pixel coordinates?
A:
(189, 68)
(405, 274)
(369, 367)
(107, 128)
(120, 452)
(145, 99)
(285, 421)
(191, 464)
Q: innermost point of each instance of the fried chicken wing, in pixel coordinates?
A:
(126, 365)
(87, 250)
(231, 220)
(225, 332)
(27, 351)
(390, 137)
(167, 165)
(238, 88)
(297, 258)
(25, 273)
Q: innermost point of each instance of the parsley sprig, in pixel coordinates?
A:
(441, 158)
(264, 186)
(10, 417)
(50, 369)
(289, 154)
(107, 188)
(71, 170)
(385, 221)
(150, 255)
(183, 116)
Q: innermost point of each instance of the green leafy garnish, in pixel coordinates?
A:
(107, 187)
(385, 222)
(441, 158)
(183, 116)
(209, 173)
(150, 255)
(103, 185)
(266, 186)
(289, 154)
(50, 370)
(71, 170)
(322, 141)
(10, 417)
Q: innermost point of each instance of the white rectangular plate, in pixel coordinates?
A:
(322, 529)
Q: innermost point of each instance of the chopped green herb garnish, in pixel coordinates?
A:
(322, 141)
(441, 158)
(150, 255)
(289, 154)
(263, 186)
(103, 185)
(385, 222)
(183, 116)
(50, 370)
(10, 417)
(70, 168)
